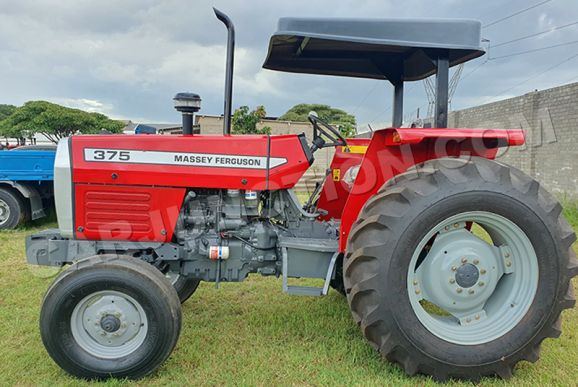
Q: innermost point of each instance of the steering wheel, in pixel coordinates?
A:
(322, 128)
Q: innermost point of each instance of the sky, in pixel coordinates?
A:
(128, 58)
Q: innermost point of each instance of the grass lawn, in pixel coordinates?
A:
(246, 334)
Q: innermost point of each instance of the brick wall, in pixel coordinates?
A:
(550, 119)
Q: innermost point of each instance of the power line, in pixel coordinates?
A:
(534, 50)
(383, 112)
(475, 69)
(533, 77)
(366, 96)
(515, 14)
(536, 34)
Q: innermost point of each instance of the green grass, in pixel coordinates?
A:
(244, 334)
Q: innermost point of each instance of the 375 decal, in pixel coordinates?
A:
(111, 155)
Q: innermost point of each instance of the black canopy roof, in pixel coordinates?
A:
(393, 49)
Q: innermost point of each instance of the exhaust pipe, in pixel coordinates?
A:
(229, 67)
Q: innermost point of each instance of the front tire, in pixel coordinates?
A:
(110, 316)
(439, 300)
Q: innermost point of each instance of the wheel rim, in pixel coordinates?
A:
(480, 289)
(4, 212)
(109, 324)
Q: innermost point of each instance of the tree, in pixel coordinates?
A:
(54, 121)
(6, 110)
(345, 121)
(245, 121)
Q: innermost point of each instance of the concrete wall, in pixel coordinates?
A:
(550, 119)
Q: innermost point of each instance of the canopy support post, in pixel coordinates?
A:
(397, 119)
(442, 63)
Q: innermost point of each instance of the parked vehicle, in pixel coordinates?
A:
(453, 264)
(26, 184)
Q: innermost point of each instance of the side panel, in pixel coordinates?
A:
(394, 151)
(27, 165)
(237, 162)
(335, 189)
(105, 212)
(63, 189)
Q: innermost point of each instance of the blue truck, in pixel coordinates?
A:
(26, 184)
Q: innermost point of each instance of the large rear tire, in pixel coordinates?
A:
(434, 297)
(110, 316)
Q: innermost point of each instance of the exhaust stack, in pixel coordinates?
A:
(229, 68)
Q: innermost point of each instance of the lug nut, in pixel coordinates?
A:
(476, 261)
(452, 281)
(481, 283)
(459, 290)
(468, 320)
(415, 282)
(483, 271)
(508, 263)
(477, 317)
(417, 291)
(456, 225)
(454, 268)
(447, 228)
(507, 255)
(471, 291)
(464, 260)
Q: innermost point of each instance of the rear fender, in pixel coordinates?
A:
(393, 151)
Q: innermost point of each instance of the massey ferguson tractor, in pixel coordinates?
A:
(454, 265)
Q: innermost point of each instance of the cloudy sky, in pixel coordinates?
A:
(127, 58)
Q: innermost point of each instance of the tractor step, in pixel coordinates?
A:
(308, 258)
(304, 291)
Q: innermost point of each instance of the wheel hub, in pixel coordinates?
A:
(460, 272)
(467, 275)
(110, 323)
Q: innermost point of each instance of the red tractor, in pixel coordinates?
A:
(454, 265)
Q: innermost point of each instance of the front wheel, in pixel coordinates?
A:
(110, 316)
(460, 268)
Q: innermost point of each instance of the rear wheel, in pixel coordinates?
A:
(460, 269)
(12, 209)
(110, 316)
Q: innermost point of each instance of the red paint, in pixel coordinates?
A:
(334, 194)
(281, 177)
(105, 212)
(393, 151)
(141, 202)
